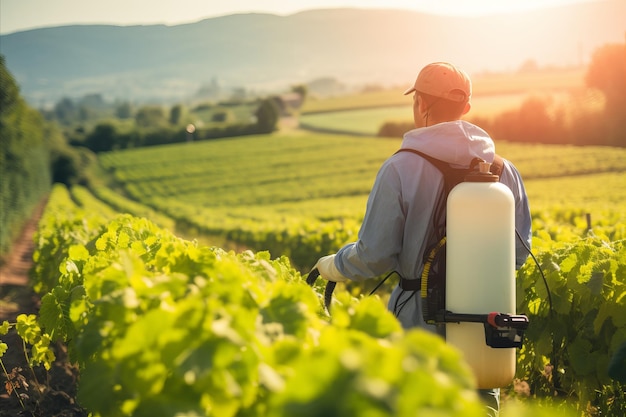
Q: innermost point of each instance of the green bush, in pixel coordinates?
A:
(24, 159)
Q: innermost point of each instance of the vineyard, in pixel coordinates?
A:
(302, 195)
(161, 319)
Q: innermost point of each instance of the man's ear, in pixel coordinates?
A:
(417, 111)
(467, 108)
(421, 105)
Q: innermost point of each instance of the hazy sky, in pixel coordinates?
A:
(18, 15)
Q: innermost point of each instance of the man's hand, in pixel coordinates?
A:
(328, 270)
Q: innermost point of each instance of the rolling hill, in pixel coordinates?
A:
(261, 51)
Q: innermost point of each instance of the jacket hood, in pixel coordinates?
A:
(456, 142)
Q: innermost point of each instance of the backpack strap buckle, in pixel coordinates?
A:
(413, 284)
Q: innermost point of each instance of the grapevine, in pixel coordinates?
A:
(162, 326)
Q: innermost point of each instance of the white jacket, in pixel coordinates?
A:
(399, 213)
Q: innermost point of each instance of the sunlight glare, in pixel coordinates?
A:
(474, 7)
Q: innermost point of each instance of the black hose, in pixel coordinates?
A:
(554, 360)
(328, 292)
(310, 279)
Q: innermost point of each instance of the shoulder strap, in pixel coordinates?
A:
(451, 176)
(496, 166)
(441, 165)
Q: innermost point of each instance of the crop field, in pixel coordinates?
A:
(257, 190)
(240, 332)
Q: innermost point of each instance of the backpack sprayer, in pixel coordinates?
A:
(479, 277)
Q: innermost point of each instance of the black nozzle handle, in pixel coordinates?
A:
(310, 279)
(328, 292)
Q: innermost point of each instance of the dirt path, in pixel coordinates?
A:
(42, 393)
(15, 294)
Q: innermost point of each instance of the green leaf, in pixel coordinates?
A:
(371, 316)
(562, 302)
(28, 328)
(41, 352)
(51, 314)
(604, 313)
(569, 263)
(142, 334)
(78, 253)
(286, 307)
(596, 282)
(101, 243)
(91, 393)
(579, 352)
(138, 248)
(123, 240)
(4, 328)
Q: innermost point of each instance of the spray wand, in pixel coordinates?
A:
(328, 292)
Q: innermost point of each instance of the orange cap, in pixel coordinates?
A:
(441, 79)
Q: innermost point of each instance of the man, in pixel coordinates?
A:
(398, 224)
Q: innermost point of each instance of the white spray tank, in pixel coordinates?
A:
(480, 277)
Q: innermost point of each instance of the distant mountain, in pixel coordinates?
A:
(262, 52)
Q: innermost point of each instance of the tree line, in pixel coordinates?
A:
(150, 130)
(151, 125)
(30, 149)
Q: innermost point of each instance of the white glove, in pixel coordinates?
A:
(328, 270)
